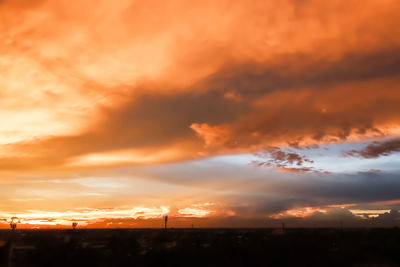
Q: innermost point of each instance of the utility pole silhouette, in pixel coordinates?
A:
(13, 225)
(165, 222)
(14, 222)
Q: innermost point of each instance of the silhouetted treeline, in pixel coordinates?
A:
(202, 247)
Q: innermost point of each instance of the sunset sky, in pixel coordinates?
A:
(217, 113)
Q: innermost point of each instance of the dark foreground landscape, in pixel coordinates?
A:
(201, 247)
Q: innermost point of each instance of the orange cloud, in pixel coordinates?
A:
(196, 211)
(299, 212)
(73, 80)
(309, 116)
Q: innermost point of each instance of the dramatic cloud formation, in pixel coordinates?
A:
(99, 87)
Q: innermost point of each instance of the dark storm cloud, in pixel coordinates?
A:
(302, 70)
(251, 191)
(389, 217)
(242, 106)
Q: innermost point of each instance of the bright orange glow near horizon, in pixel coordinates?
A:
(115, 113)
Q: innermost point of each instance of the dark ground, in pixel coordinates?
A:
(201, 247)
